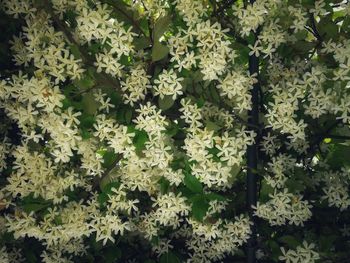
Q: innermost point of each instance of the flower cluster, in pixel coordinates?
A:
(136, 84)
(127, 125)
(304, 253)
(236, 87)
(335, 187)
(168, 84)
(42, 45)
(210, 242)
(283, 206)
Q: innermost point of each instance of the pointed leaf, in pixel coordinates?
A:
(161, 26)
(159, 51)
(193, 183)
(165, 103)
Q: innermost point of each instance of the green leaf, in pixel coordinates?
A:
(107, 181)
(200, 102)
(106, 190)
(169, 257)
(87, 121)
(70, 17)
(124, 114)
(200, 206)
(85, 82)
(95, 245)
(302, 46)
(346, 25)
(74, 49)
(295, 186)
(128, 115)
(265, 191)
(90, 106)
(58, 220)
(327, 140)
(141, 43)
(193, 183)
(125, 60)
(291, 241)
(108, 159)
(121, 115)
(212, 126)
(102, 198)
(30, 256)
(166, 103)
(161, 25)
(155, 240)
(164, 185)
(214, 94)
(85, 134)
(215, 197)
(66, 103)
(327, 28)
(172, 129)
(34, 207)
(338, 156)
(275, 250)
(185, 192)
(131, 128)
(140, 138)
(112, 254)
(159, 51)
(326, 242)
(235, 170)
(116, 98)
(32, 204)
(301, 35)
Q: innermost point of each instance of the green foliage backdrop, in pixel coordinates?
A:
(125, 127)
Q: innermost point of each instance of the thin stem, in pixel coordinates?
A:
(248, 124)
(226, 5)
(86, 58)
(97, 179)
(317, 140)
(314, 28)
(224, 22)
(117, 8)
(338, 137)
(252, 154)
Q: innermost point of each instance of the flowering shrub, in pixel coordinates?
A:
(125, 127)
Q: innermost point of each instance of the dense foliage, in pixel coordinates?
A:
(125, 126)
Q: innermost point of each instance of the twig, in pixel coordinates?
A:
(86, 58)
(340, 137)
(314, 28)
(310, 30)
(131, 19)
(318, 139)
(251, 125)
(252, 155)
(213, 3)
(97, 179)
(232, 31)
(226, 5)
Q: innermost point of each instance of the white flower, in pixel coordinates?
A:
(107, 63)
(302, 254)
(136, 85)
(169, 209)
(255, 50)
(107, 226)
(168, 84)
